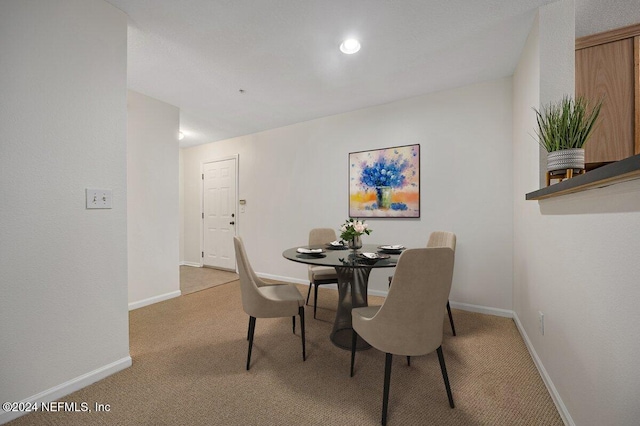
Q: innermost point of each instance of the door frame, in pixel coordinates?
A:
(236, 158)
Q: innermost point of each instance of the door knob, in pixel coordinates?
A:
(232, 223)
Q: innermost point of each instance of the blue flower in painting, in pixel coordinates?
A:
(384, 172)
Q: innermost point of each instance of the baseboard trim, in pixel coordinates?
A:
(154, 299)
(195, 265)
(68, 387)
(555, 396)
(281, 278)
(481, 309)
(382, 293)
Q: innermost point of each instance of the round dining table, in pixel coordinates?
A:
(353, 269)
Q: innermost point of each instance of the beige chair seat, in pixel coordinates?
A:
(288, 297)
(323, 272)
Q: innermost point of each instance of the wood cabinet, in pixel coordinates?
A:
(608, 68)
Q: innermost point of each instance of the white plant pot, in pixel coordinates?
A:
(565, 159)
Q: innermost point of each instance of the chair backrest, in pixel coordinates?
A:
(410, 319)
(319, 236)
(249, 281)
(442, 239)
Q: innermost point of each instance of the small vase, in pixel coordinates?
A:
(383, 196)
(355, 243)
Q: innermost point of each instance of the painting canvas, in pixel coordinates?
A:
(385, 182)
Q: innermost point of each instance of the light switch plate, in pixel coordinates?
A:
(98, 198)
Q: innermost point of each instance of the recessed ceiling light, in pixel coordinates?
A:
(180, 136)
(350, 46)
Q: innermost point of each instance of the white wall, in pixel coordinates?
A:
(295, 178)
(575, 256)
(153, 218)
(63, 303)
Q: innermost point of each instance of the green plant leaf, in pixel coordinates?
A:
(566, 124)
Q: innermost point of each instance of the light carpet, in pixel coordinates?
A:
(189, 357)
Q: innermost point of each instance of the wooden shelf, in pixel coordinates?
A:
(619, 171)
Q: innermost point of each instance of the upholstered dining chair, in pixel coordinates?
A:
(319, 275)
(443, 239)
(264, 300)
(409, 322)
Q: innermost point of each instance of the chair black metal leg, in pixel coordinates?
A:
(390, 278)
(301, 313)
(387, 380)
(252, 329)
(293, 318)
(354, 340)
(315, 301)
(308, 293)
(453, 329)
(249, 329)
(408, 360)
(445, 376)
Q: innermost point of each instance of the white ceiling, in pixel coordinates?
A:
(284, 54)
(595, 16)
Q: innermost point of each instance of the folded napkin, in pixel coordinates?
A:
(337, 243)
(309, 251)
(393, 247)
(371, 255)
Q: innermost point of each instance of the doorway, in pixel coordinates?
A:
(219, 216)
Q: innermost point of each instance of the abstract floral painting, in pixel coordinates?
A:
(385, 182)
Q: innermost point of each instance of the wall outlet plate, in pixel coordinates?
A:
(98, 198)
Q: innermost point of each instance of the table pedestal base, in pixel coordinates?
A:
(352, 293)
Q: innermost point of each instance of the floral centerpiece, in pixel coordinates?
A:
(351, 231)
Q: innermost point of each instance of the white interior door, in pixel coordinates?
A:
(219, 215)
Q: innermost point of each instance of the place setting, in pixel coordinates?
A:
(337, 245)
(310, 252)
(391, 249)
(372, 257)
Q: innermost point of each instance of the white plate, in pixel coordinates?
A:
(373, 256)
(394, 247)
(309, 251)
